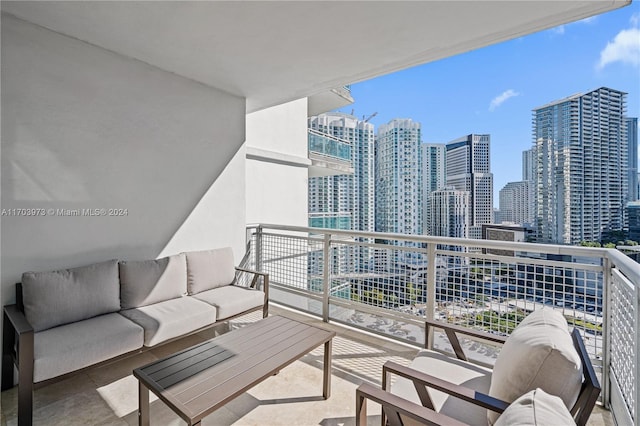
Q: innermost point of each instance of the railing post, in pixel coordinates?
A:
(326, 281)
(259, 248)
(431, 292)
(636, 325)
(607, 278)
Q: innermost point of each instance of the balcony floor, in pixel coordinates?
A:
(108, 395)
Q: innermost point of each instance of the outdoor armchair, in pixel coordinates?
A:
(441, 389)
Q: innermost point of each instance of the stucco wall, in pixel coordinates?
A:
(277, 165)
(84, 128)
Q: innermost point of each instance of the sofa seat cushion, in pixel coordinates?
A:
(539, 353)
(231, 300)
(172, 318)
(209, 269)
(69, 295)
(536, 408)
(454, 371)
(80, 344)
(147, 282)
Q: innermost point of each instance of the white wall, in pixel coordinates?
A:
(83, 127)
(277, 165)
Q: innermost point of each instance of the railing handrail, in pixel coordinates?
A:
(629, 267)
(490, 244)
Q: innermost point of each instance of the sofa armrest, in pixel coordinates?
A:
(452, 330)
(393, 406)
(253, 283)
(17, 349)
(256, 277)
(422, 381)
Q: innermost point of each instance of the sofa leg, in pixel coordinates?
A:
(265, 310)
(8, 340)
(25, 380)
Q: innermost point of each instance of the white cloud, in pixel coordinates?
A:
(558, 30)
(635, 19)
(624, 48)
(500, 99)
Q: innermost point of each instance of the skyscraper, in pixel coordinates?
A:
(350, 195)
(450, 215)
(399, 177)
(433, 177)
(346, 201)
(581, 166)
(514, 203)
(469, 169)
(632, 146)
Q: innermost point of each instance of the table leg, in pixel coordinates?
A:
(326, 380)
(143, 405)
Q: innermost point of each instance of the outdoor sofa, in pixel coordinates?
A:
(67, 320)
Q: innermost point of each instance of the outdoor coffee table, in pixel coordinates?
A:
(197, 381)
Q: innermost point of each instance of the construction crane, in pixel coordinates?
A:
(369, 117)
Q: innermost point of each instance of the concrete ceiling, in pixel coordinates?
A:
(272, 52)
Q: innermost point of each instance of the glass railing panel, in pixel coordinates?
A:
(326, 145)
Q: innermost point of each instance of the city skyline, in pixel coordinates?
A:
(495, 89)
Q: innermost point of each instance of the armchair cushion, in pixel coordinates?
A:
(151, 281)
(539, 353)
(536, 408)
(209, 269)
(452, 370)
(69, 295)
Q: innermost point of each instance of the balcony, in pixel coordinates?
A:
(375, 296)
(329, 100)
(329, 155)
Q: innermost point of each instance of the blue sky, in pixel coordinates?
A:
(493, 90)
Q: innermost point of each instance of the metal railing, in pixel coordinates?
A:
(388, 284)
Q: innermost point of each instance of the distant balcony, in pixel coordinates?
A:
(329, 155)
(329, 100)
(352, 278)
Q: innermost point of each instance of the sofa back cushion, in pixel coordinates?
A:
(209, 269)
(69, 295)
(536, 408)
(147, 282)
(539, 353)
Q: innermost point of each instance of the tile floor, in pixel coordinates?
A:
(107, 395)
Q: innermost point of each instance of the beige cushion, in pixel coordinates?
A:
(536, 408)
(231, 300)
(539, 353)
(68, 295)
(455, 371)
(172, 318)
(70, 347)
(209, 269)
(151, 281)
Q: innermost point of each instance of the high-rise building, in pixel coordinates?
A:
(399, 177)
(632, 150)
(469, 169)
(581, 166)
(346, 201)
(514, 203)
(633, 211)
(529, 165)
(451, 213)
(433, 177)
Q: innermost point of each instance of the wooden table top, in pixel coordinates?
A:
(199, 380)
